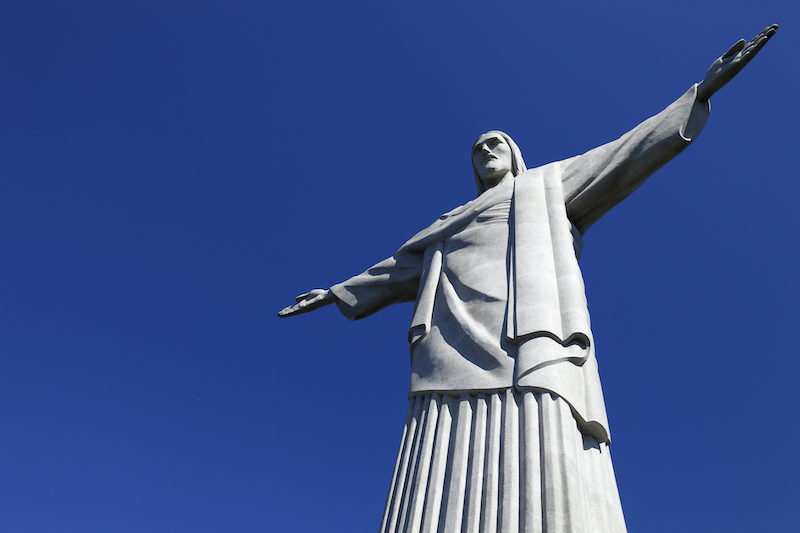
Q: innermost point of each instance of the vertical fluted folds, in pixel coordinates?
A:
(503, 462)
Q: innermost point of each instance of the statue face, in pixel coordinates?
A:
(491, 157)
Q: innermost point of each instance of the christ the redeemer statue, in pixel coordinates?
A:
(506, 428)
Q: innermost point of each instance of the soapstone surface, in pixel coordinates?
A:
(507, 428)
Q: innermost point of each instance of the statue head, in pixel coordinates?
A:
(494, 155)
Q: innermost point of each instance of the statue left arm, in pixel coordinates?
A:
(601, 178)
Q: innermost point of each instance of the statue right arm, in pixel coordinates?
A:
(394, 280)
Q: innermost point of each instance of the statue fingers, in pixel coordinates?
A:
(768, 32)
(300, 307)
(735, 49)
(761, 39)
(287, 311)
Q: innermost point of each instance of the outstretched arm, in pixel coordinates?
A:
(309, 301)
(391, 281)
(601, 178)
(726, 67)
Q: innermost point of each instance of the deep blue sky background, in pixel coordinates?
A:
(174, 173)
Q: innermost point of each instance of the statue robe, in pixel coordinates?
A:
(533, 285)
(501, 327)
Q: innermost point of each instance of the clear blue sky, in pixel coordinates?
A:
(174, 173)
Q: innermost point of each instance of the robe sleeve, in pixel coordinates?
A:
(601, 178)
(394, 280)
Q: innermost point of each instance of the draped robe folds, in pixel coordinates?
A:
(521, 319)
(506, 428)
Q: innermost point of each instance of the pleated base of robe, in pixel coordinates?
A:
(502, 462)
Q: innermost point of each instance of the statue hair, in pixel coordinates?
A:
(517, 163)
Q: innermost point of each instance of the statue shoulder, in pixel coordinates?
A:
(553, 168)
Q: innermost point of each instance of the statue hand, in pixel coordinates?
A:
(309, 301)
(726, 67)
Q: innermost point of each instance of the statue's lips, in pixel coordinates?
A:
(488, 158)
